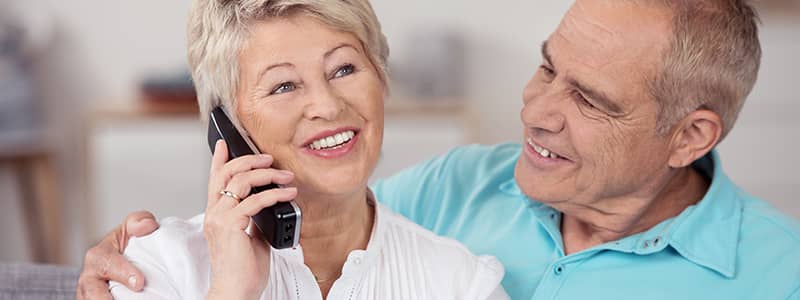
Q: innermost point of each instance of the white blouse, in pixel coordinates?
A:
(402, 261)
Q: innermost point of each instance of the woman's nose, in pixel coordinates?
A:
(324, 103)
(543, 109)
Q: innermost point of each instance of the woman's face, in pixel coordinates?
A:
(309, 96)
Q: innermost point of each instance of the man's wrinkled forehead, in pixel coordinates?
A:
(579, 20)
(607, 31)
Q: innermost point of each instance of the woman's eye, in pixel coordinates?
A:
(344, 71)
(283, 88)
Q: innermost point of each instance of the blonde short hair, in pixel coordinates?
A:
(218, 29)
(711, 62)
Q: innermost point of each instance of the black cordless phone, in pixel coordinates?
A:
(280, 223)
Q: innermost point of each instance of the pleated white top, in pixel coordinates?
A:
(402, 261)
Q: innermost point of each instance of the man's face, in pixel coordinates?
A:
(588, 109)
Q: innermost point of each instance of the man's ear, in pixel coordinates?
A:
(694, 136)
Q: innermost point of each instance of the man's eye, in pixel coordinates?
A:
(547, 71)
(584, 101)
(283, 88)
(344, 71)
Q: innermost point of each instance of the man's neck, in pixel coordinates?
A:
(583, 228)
(331, 229)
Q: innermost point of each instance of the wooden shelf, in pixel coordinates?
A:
(145, 109)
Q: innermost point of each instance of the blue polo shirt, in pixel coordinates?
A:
(728, 246)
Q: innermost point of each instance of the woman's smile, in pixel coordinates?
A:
(332, 144)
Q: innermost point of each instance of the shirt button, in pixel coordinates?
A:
(357, 261)
(558, 269)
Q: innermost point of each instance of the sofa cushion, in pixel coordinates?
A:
(22, 281)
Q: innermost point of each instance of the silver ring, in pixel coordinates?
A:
(230, 194)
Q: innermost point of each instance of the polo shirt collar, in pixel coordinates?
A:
(706, 233)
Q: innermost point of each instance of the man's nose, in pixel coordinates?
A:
(543, 109)
(324, 103)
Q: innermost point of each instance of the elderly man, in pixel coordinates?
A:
(616, 191)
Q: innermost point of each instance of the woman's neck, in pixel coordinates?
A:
(333, 227)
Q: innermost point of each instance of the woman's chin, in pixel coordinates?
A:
(333, 185)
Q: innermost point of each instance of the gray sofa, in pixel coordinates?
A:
(21, 281)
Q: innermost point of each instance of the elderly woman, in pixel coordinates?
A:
(306, 80)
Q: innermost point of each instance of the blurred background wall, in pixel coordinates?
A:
(110, 157)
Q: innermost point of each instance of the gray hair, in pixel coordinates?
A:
(711, 62)
(218, 30)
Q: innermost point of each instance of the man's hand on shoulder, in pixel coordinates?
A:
(105, 262)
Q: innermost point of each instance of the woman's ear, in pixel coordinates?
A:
(694, 137)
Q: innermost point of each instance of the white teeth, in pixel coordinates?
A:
(339, 138)
(542, 151)
(332, 141)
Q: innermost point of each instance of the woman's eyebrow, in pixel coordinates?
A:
(286, 64)
(340, 46)
(270, 67)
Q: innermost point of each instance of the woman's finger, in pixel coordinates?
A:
(220, 155)
(215, 183)
(247, 163)
(219, 178)
(255, 203)
(242, 183)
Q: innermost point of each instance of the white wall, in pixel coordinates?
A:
(104, 47)
(760, 152)
(503, 39)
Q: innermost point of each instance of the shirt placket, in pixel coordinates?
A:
(352, 271)
(556, 274)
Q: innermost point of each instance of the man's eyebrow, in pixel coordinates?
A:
(596, 95)
(546, 54)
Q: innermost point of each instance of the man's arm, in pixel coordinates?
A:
(105, 262)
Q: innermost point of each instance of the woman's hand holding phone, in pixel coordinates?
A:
(239, 262)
